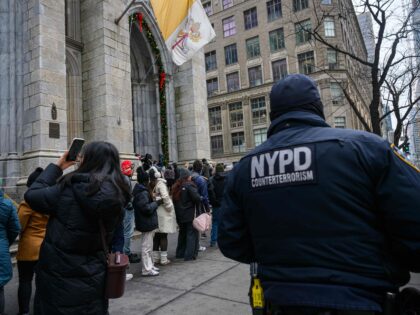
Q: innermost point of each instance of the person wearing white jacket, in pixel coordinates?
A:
(166, 217)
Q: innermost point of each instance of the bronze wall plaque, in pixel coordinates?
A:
(54, 130)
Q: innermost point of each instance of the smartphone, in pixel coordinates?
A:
(75, 148)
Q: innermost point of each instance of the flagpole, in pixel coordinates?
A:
(117, 20)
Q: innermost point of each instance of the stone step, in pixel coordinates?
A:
(14, 247)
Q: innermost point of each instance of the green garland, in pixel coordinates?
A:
(162, 84)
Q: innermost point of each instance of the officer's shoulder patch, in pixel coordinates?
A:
(403, 158)
(283, 167)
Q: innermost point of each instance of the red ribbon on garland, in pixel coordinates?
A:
(140, 19)
(162, 80)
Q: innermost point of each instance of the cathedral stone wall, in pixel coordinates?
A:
(106, 75)
(191, 110)
(65, 71)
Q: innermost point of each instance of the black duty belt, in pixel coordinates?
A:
(302, 310)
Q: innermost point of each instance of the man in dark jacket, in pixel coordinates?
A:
(201, 183)
(216, 188)
(206, 169)
(186, 199)
(331, 216)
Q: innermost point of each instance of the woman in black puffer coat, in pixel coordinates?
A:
(70, 274)
(186, 200)
(146, 220)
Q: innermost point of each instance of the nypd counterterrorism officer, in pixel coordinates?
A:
(331, 216)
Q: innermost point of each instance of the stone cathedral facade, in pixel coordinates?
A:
(68, 70)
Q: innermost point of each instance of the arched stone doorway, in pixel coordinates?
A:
(144, 84)
(73, 71)
(74, 96)
(147, 129)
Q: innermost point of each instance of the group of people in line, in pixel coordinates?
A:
(59, 225)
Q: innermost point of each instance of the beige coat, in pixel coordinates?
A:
(166, 211)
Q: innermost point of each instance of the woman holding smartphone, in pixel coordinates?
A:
(70, 274)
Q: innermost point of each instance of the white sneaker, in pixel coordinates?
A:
(128, 276)
(202, 249)
(151, 273)
(156, 269)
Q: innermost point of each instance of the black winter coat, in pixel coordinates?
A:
(189, 201)
(70, 274)
(145, 214)
(216, 188)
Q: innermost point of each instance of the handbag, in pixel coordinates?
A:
(117, 265)
(202, 222)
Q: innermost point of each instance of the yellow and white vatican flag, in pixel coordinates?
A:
(184, 25)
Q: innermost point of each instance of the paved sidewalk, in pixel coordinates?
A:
(212, 284)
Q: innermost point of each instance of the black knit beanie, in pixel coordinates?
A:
(296, 92)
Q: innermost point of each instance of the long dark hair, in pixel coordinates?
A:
(177, 187)
(101, 161)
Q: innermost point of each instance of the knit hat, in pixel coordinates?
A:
(183, 173)
(220, 168)
(126, 168)
(33, 176)
(142, 176)
(295, 92)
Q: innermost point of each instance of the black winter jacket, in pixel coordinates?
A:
(216, 188)
(144, 209)
(71, 268)
(189, 201)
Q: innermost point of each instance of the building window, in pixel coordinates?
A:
(279, 69)
(232, 80)
(236, 115)
(253, 47)
(231, 54)
(300, 5)
(336, 93)
(329, 27)
(276, 39)
(211, 61)
(259, 111)
(250, 18)
(207, 7)
(260, 135)
(340, 122)
(255, 76)
(212, 87)
(326, 2)
(216, 145)
(303, 32)
(273, 10)
(229, 26)
(227, 4)
(306, 62)
(238, 142)
(332, 59)
(215, 118)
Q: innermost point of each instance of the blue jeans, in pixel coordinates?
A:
(214, 225)
(118, 239)
(128, 230)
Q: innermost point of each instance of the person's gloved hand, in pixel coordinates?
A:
(159, 201)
